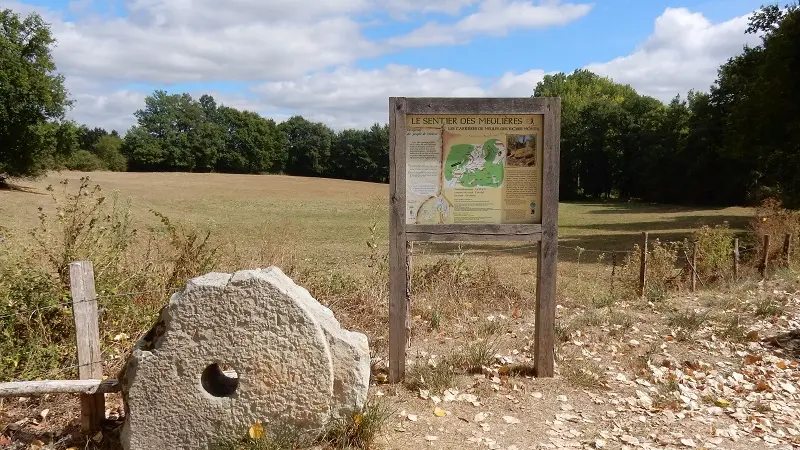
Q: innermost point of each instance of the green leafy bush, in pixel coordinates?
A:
(84, 161)
(714, 251)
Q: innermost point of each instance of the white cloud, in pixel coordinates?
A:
(165, 41)
(348, 97)
(168, 41)
(199, 14)
(103, 105)
(344, 97)
(516, 85)
(494, 18)
(683, 53)
(417, 7)
(120, 50)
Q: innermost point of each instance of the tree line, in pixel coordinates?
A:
(735, 144)
(175, 132)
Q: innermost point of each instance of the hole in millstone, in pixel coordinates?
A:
(219, 381)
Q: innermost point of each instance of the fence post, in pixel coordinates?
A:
(764, 258)
(694, 266)
(736, 259)
(643, 267)
(409, 256)
(87, 335)
(787, 250)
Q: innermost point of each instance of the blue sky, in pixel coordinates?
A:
(338, 61)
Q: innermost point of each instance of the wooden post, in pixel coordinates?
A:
(547, 262)
(764, 258)
(736, 259)
(409, 274)
(643, 267)
(787, 250)
(398, 270)
(87, 334)
(694, 266)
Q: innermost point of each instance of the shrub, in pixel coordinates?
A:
(108, 150)
(359, 431)
(116, 162)
(662, 272)
(714, 249)
(84, 161)
(772, 219)
(456, 283)
(133, 275)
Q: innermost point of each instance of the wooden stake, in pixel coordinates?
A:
(398, 277)
(643, 266)
(87, 335)
(764, 258)
(694, 266)
(787, 249)
(736, 258)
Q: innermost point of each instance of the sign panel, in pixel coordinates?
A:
(474, 169)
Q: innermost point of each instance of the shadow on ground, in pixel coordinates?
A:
(18, 188)
(667, 223)
(24, 437)
(624, 207)
(786, 344)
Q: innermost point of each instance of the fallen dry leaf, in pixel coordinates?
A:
(256, 431)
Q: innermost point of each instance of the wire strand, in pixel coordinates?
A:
(97, 298)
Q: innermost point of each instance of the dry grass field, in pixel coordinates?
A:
(328, 220)
(628, 368)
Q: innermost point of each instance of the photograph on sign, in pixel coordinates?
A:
(474, 169)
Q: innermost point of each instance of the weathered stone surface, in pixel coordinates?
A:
(296, 366)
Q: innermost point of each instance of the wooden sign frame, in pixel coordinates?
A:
(402, 234)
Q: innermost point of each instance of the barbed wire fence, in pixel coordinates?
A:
(92, 360)
(99, 300)
(685, 260)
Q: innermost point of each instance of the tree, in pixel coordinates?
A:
(174, 133)
(602, 130)
(309, 147)
(90, 137)
(253, 144)
(352, 159)
(31, 95)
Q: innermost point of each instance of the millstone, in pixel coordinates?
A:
(236, 349)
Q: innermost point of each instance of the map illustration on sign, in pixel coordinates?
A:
(483, 169)
(471, 165)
